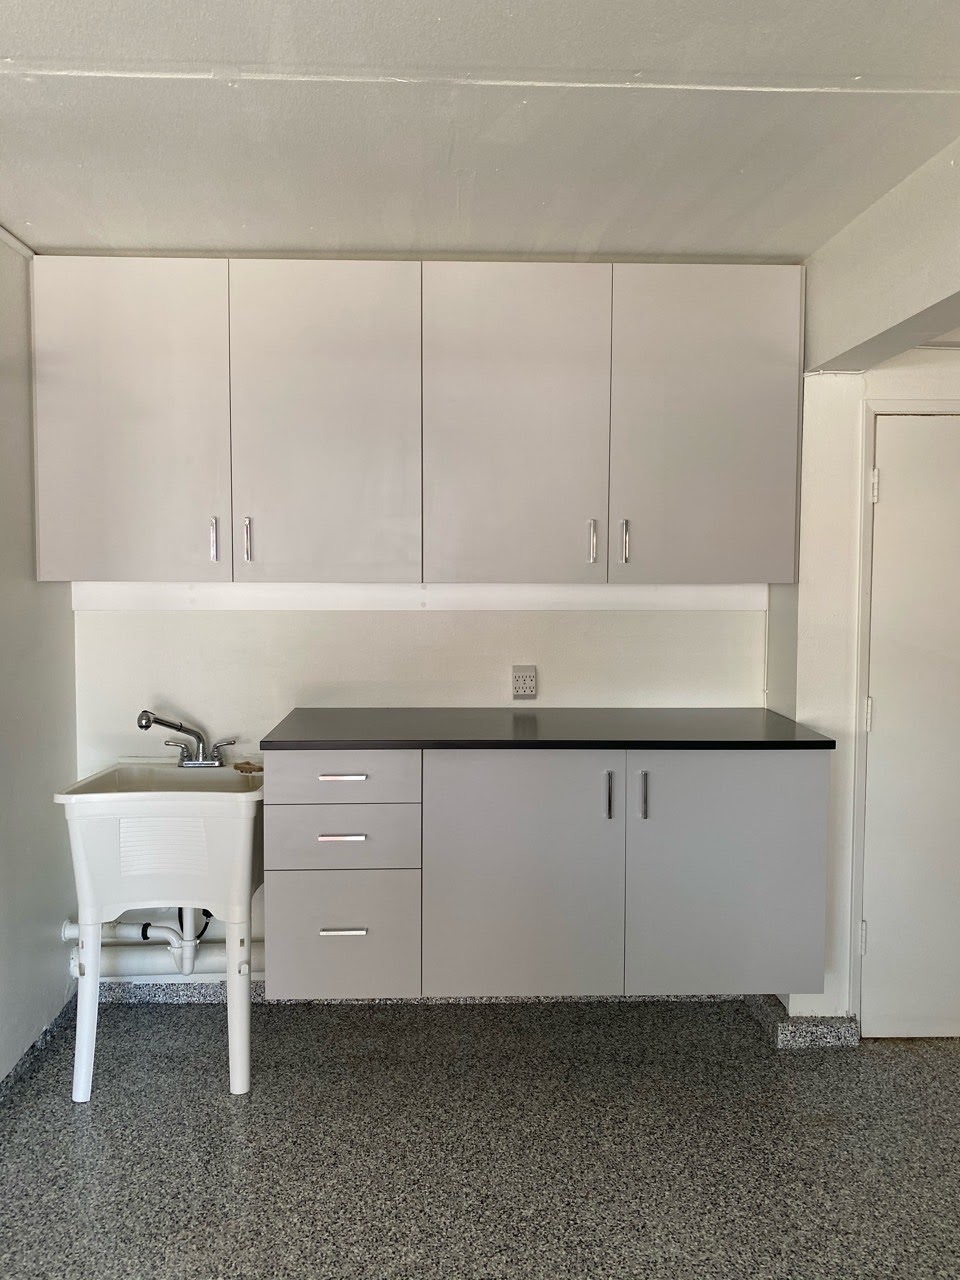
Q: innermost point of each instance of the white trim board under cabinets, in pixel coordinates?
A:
(412, 597)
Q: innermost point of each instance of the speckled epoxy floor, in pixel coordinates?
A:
(462, 1141)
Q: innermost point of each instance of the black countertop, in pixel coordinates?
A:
(358, 728)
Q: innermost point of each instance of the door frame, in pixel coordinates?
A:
(870, 411)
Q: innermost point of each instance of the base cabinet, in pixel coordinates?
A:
(726, 872)
(545, 872)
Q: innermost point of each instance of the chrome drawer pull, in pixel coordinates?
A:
(247, 540)
(608, 793)
(591, 542)
(644, 808)
(624, 541)
(214, 541)
(342, 933)
(342, 777)
(326, 837)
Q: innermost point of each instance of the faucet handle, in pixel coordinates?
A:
(185, 754)
(215, 753)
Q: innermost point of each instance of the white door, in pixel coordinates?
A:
(911, 891)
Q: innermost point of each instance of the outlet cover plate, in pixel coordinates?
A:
(524, 682)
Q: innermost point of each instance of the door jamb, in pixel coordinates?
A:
(870, 411)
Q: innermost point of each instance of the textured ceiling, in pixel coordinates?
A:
(700, 128)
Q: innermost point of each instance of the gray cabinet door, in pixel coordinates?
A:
(704, 423)
(522, 873)
(516, 395)
(133, 419)
(325, 378)
(726, 874)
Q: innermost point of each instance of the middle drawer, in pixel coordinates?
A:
(318, 837)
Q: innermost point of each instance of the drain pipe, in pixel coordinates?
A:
(183, 949)
(138, 963)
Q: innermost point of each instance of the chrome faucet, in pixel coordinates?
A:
(190, 758)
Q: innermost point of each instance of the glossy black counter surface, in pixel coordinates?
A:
(358, 728)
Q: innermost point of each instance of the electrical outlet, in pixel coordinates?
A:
(524, 682)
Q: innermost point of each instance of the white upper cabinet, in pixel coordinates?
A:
(325, 378)
(704, 423)
(510, 409)
(133, 419)
(516, 386)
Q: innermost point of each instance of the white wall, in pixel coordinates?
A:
(36, 712)
(239, 673)
(829, 603)
(782, 648)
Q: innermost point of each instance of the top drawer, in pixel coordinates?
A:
(342, 777)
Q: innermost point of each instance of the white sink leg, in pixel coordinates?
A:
(88, 1004)
(238, 1004)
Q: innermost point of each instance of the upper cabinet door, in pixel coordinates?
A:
(325, 377)
(516, 369)
(704, 423)
(133, 419)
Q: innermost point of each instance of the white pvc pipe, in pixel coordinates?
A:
(113, 929)
(183, 950)
(148, 961)
(188, 955)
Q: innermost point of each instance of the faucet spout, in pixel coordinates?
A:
(147, 719)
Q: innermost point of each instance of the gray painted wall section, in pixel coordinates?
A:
(37, 711)
(890, 280)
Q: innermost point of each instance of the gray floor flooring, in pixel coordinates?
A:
(554, 1141)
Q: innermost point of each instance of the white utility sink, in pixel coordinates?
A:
(153, 834)
(155, 779)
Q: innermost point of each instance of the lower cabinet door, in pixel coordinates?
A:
(523, 868)
(726, 871)
(341, 934)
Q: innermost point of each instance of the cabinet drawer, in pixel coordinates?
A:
(341, 777)
(342, 934)
(368, 836)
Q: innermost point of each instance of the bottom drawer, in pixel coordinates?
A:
(341, 934)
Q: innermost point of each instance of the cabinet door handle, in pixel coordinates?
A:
(591, 542)
(324, 838)
(341, 777)
(214, 540)
(643, 794)
(247, 540)
(624, 541)
(342, 933)
(608, 793)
